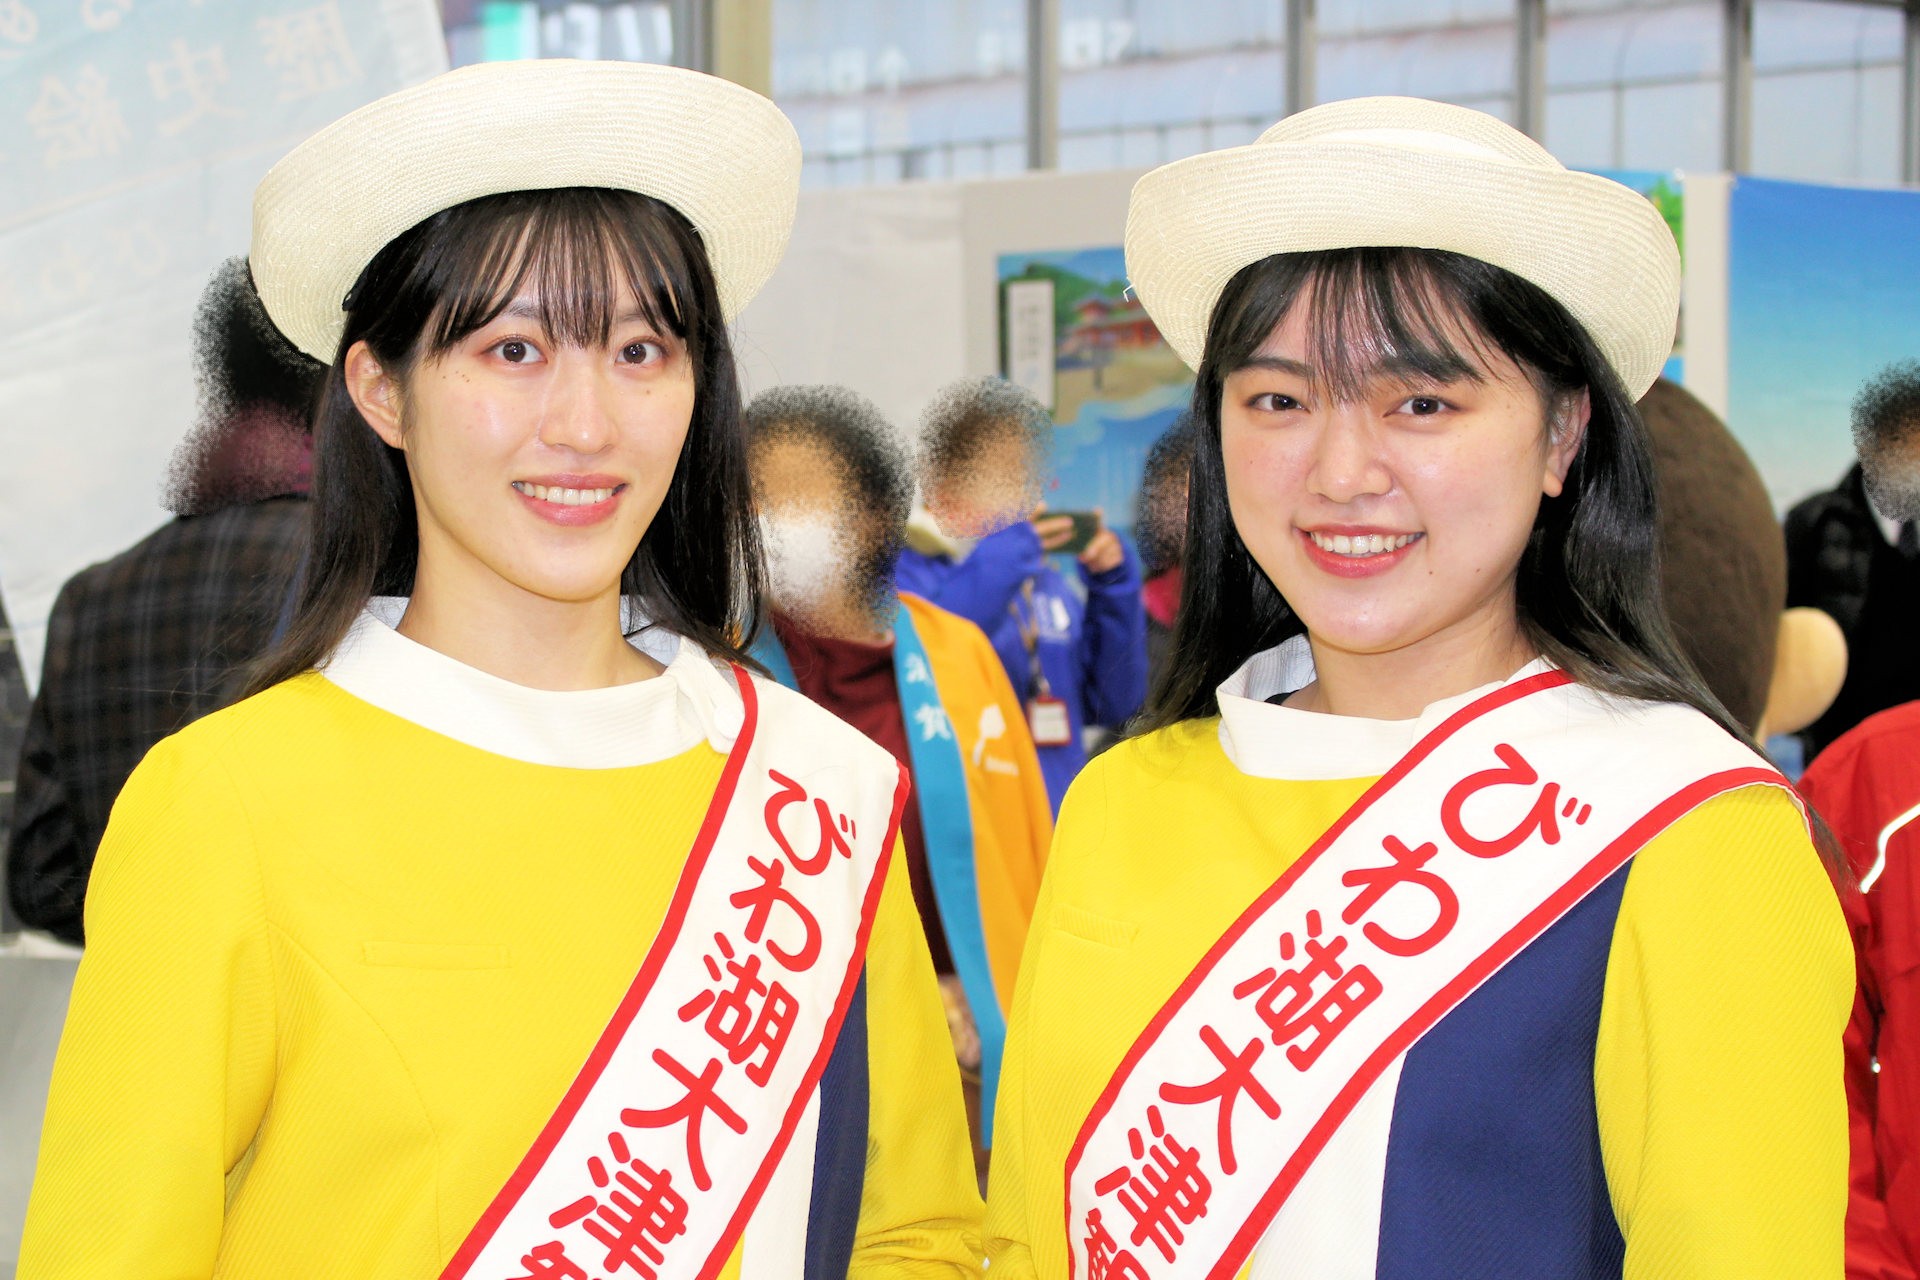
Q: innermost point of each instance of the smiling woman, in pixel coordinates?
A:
(1422, 384)
(501, 350)
(432, 956)
(1440, 923)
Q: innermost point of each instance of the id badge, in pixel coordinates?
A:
(1047, 718)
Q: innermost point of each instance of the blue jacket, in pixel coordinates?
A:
(1094, 653)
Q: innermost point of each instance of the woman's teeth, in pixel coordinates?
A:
(565, 497)
(1371, 544)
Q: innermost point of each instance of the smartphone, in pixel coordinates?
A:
(1086, 526)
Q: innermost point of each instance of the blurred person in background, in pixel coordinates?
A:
(1866, 784)
(143, 644)
(1076, 662)
(1853, 553)
(1160, 527)
(834, 491)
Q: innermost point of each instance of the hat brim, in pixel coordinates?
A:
(1600, 249)
(725, 157)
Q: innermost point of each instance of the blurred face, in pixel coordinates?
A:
(536, 464)
(1891, 469)
(818, 541)
(994, 485)
(1395, 521)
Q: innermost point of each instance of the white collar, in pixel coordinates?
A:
(1889, 528)
(1268, 741)
(613, 728)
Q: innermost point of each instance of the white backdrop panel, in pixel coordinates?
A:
(869, 296)
(894, 291)
(135, 131)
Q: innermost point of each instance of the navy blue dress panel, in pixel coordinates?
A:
(1493, 1160)
(840, 1156)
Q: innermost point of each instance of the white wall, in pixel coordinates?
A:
(894, 291)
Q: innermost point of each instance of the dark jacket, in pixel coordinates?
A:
(137, 647)
(1839, 561)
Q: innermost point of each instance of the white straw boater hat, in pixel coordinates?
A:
(1407, 172)
(722, 155)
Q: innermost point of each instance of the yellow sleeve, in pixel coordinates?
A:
(1010, 1233)
(1717, 1072)
(920, 1211)
(165, 1065)
(1009, 1248)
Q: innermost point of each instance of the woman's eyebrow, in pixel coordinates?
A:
(1278, 364)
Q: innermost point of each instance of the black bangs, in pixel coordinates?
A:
(577, 254)
(1372, 315)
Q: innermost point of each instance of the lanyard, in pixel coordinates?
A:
(1028, 625)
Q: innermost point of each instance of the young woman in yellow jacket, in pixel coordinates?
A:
(1441, 924)
(511, 929)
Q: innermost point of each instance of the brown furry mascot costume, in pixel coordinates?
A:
(1725, 569)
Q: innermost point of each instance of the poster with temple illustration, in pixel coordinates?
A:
(1074, 335)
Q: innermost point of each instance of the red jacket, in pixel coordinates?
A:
(1867, 787)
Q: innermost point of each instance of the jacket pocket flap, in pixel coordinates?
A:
(1090, 927)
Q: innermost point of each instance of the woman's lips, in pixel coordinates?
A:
(1323, 547)
(587, 500)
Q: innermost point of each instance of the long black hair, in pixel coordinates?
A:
(1588, 583)
(577, 250)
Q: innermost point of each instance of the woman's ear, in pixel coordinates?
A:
(1566, 429)
(375, 394)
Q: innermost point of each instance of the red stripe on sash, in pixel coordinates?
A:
(1563, 900)
(868, 912)
(630, 1004)
(1597, 870)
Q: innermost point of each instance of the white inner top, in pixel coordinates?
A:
(612, 728)
(1270, 741)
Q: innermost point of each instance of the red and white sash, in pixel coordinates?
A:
(1491, 828)
(666, 1140)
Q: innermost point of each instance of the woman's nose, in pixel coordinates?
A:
(1348, 462)
(575, 415)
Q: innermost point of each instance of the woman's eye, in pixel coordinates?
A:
(1423, 406)
(1273, 402)
(517, 351)
(642, 352)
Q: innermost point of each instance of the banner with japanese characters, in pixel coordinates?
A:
(1489, 830)
(677, 1123)
(136, 131)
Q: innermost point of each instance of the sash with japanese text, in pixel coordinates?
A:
(668, 1137)
(1490, 829)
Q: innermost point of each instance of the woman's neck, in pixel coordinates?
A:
(521, 637)
(1401, 683)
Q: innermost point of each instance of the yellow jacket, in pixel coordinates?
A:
(1716, 981)
(342, 967)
